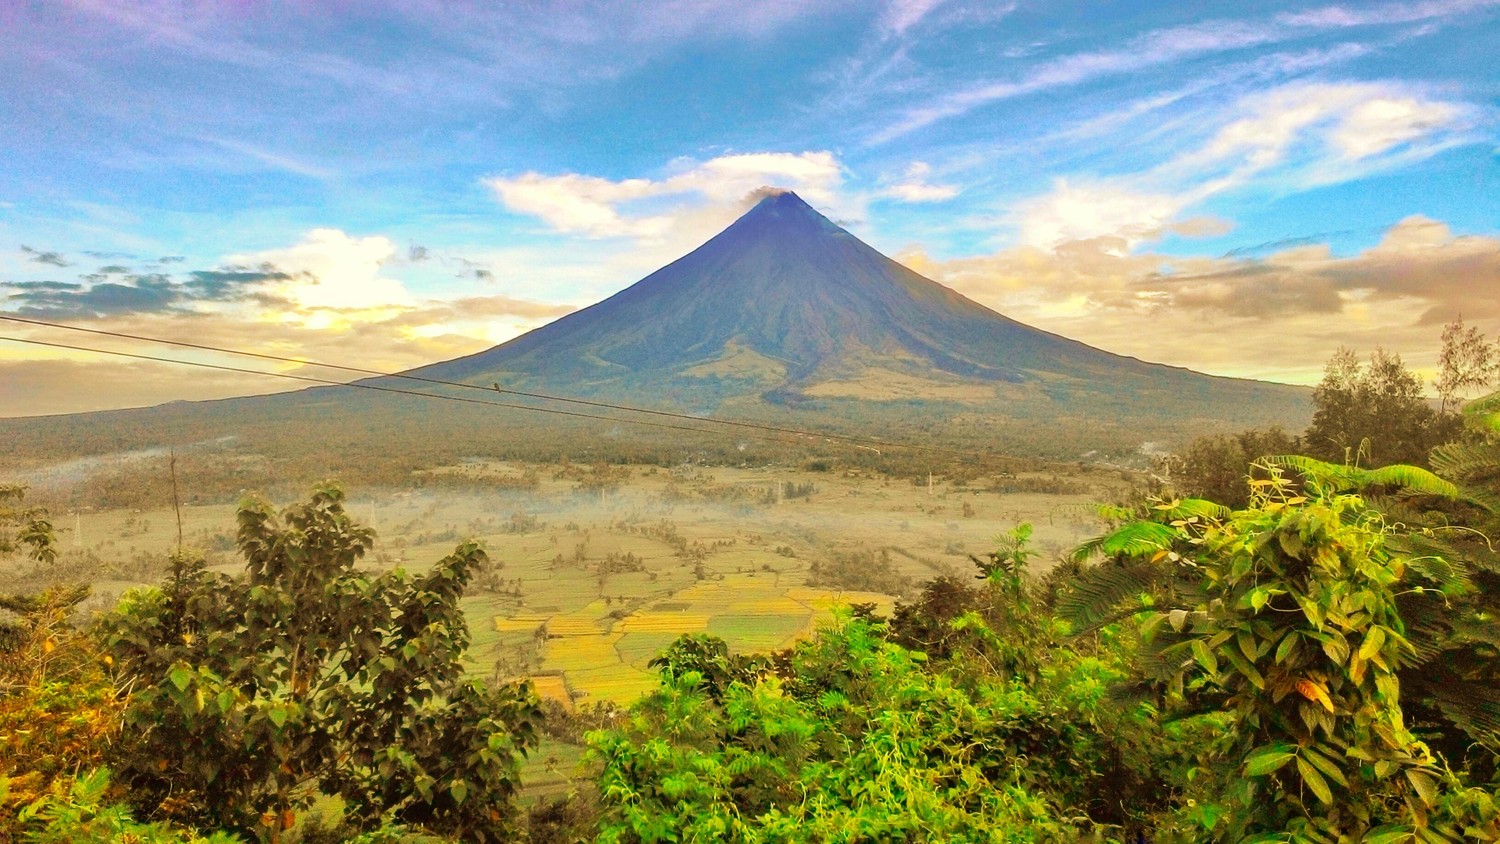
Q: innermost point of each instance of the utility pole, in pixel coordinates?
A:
(176, 499)
(929, 483)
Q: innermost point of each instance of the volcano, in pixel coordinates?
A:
(788, 306)
(782, 318)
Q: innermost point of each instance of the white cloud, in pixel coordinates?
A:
(651, 209)
(1289, 138)
(915, 187)
(1156, 48)
(334, 270)
(1377, 125)
(1080, 212)
(578, 204)
(902, 15)
(1375, 14)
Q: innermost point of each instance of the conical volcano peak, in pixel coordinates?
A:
(773, 196)
(787, 306)
(781, 208)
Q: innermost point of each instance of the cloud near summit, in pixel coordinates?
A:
(650, 209)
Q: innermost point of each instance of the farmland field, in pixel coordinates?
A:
(596, 569)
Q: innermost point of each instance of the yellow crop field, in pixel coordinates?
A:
(824, 600)
(769, 604)
(638, 649)
(647, 621)
(617, 682)
(581, 652)
(519, 623)
(758, 632)
(552, 687)
(581, 623)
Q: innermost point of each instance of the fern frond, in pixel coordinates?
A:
(1095, 593)
(1477, 632)
(1410, 479)
(1476, 466)
(1163, 659)
(1461, 460)
(1188, 508)
(1308, 467)
(1434, 560)
(1133, 539)
(1113, 512)
(1473, 707)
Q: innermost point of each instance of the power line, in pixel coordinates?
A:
(864, 442)
(330, 382)
(463, 400)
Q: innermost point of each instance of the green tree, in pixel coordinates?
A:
(1467, 362)
(254, 694)
(59, 711)
(24, 526)
(1008, 735)
(1372, 414)
(1217, 466)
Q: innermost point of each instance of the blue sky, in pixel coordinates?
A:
(1238, 188)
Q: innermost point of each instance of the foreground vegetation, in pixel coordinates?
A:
(1315, 661)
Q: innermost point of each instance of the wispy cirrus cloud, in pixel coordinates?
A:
(1171, 45)
(1291, 138)
(902, 15)
(915, 185)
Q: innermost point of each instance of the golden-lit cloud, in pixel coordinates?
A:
(332, 269)
(330, 297)
(1275, 317)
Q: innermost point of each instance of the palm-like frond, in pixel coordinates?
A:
(1476, 466)
(1447, 687)
(1463, 459)
(1412, 479)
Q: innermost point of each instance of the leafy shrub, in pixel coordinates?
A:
(305, 676)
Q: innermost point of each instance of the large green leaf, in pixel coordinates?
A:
(1272, 757)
